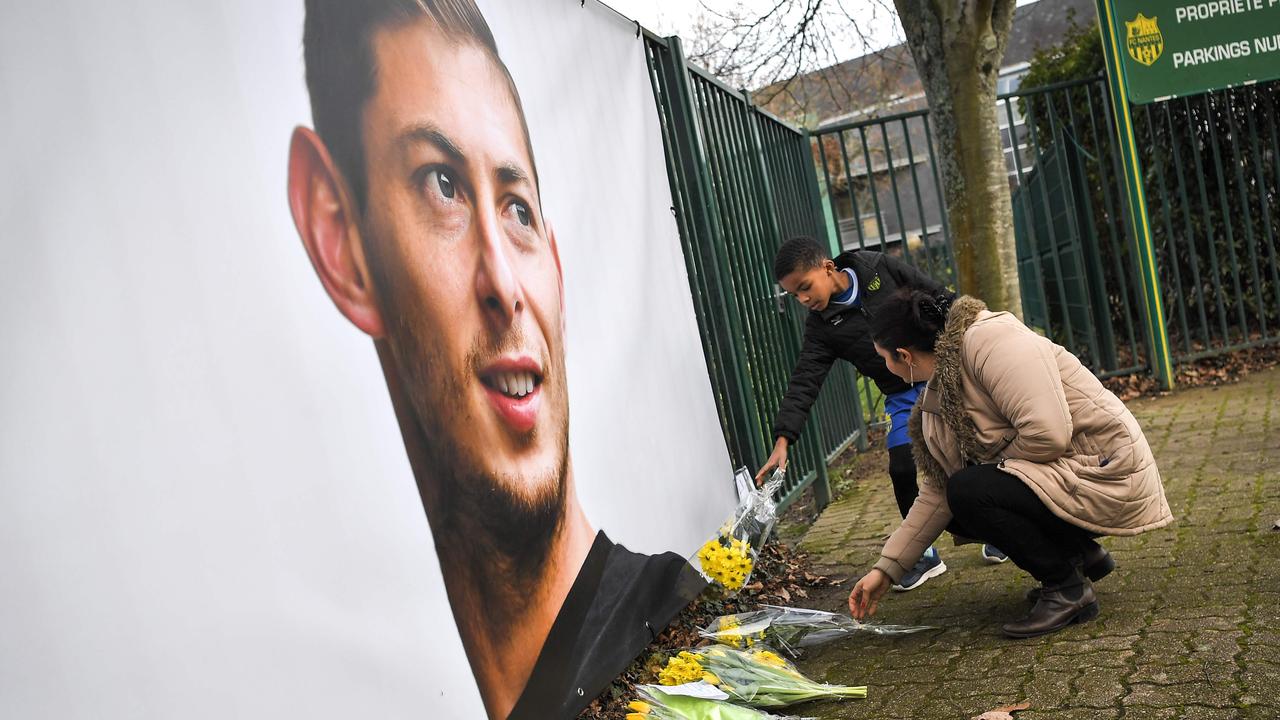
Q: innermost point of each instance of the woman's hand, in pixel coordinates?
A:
(867, 593)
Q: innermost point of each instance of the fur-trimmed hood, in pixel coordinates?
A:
(948, 385)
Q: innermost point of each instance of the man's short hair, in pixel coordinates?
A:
(342, 75)
(799, 253)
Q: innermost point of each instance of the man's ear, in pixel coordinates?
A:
(326, 217)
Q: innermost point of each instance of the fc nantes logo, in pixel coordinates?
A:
(874, 284)
(1144, 40)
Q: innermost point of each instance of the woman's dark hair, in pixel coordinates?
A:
(912, 319)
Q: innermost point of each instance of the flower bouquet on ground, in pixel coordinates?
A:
(727, 560)
(758, 677)
(792, 629)
(697, 701)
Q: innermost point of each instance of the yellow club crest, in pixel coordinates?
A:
(1144, 40)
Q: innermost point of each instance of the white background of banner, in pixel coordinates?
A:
(205, 507)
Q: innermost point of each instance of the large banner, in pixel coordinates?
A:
(350, 367)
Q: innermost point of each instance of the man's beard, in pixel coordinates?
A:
(498, 527)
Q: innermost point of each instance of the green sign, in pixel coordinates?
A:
(1171, 48)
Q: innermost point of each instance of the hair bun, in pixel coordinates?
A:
(930, 310)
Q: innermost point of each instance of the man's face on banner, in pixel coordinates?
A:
(466, 271)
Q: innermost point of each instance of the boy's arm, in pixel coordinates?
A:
(807, 377)
(811, 370)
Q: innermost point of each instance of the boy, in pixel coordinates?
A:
(841, 293)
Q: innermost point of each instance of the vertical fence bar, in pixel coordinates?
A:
(1126, 265)
(1206, 215)
(1068, 337)
(1247, 207)
(853, 193)
(1097, 295)
(1179, 298)
(836, 242)
(831, 195)
(915, 187)
(871, 183)
(1031, 225)
(942, 197)
(1260, 179)
(1225, 206)
(1065, 153)
(705, 211)
(893, 183)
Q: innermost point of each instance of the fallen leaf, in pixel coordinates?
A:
(1004, 712)
(1276, 526)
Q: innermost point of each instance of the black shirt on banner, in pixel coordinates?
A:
(618, 604)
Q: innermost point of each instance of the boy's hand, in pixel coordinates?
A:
(777, 459)
(867, 593)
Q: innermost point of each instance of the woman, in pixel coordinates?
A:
(1018, 445)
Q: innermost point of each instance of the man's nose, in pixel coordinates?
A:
(497, 287)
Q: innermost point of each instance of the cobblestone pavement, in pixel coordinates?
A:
(1190, 623)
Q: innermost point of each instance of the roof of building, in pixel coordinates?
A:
(887, 80)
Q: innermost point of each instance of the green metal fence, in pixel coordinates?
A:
(742, 182)
(1212, 181)
(1212, 167)
(1074, 249)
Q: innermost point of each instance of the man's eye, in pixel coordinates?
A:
(439, 180)
(522, 214)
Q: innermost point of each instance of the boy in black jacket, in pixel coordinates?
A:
(841, 294)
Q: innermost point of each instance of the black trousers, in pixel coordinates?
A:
(902, 471)
(993, 506)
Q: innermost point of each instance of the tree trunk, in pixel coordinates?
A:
(958, 46)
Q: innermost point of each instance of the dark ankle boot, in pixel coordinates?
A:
(1057, 607)
(1096, 563)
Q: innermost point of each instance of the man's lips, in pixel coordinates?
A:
(514, 388)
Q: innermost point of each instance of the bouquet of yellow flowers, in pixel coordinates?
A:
(727, 559)
(792, 629)
(758, 677)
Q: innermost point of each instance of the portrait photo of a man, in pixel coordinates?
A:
(418, 202)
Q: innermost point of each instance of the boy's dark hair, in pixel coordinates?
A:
(337, 47)
(798, 253)
(912, 319)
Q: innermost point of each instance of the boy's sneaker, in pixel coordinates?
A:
(993, 555)
(929, 565)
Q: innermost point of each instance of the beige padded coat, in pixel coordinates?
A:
(1002, 394)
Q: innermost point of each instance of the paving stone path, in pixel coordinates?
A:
(1190, 624)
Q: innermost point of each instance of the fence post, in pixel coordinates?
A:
(1143, 246)
(693, 166)
(764, 195)
(821, 209)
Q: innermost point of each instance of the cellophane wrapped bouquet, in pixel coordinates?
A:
(659, 703)
(790, 630)
(727, 560)
(758, 677)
